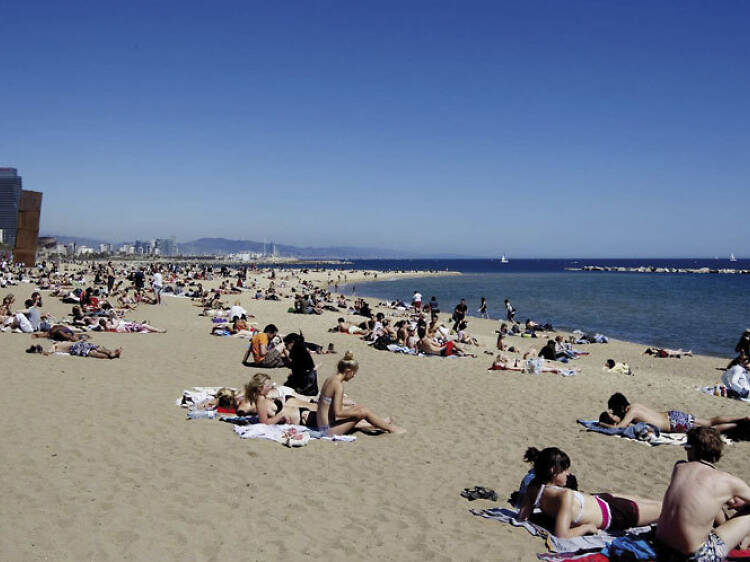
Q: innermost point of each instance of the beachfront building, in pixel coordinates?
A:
(10, 197)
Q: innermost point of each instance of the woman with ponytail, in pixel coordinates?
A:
(576, 513)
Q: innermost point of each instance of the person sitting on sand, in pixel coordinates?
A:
(263, 356)
(622, 413)
(464, 336)
(665, 352)
(333, 418)
(344, 327)
(692, 525)
(427, 346)
(256, 392)
(576, 513)
(79, 348)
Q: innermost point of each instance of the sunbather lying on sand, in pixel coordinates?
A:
(664, 352)
(622, 413)
(79, 348)
(504, 363)
(271, 407)
(576, 513)
(333, 418)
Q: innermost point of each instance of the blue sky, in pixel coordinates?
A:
(531, 128)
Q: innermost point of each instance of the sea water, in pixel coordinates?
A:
(703, 312)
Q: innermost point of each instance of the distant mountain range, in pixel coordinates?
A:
(221, 246)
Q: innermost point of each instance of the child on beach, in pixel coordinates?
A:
(332, 418)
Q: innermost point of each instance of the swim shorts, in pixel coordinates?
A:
(680, 422)
(712, 550)
(447, 351)
(81, 348)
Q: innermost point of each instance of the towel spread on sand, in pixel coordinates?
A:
(275, 432)
(557, 544)
(640, 432)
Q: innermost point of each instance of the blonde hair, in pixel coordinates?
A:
(225, 397)
(348, 362)
(252, 388)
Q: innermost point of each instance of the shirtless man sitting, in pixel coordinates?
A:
(694, 502)
(427, 346)
(622, 413)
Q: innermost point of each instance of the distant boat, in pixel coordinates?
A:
(503, 259)
(732, 258)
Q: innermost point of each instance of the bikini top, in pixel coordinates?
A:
(576, 494)
(326, 399)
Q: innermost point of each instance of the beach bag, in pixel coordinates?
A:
(736, 380)
(294, 438)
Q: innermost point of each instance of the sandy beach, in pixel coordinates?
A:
(100, 464)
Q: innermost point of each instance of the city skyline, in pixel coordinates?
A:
(535, 129)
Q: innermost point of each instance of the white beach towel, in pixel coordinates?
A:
(275, 432)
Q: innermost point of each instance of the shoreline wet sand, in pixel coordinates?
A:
(111, 469)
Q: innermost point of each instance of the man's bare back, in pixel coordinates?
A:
(693, 524)
(695, 496)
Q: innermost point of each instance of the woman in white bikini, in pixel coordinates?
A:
(576, 513)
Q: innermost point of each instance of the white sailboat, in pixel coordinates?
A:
(732, 258)
(503, 259)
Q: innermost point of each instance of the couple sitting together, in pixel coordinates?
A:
(702, 516)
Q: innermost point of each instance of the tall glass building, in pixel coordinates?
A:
(10, 196)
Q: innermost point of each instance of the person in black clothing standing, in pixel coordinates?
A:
(459, 313)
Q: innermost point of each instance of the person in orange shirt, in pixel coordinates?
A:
(262, 356)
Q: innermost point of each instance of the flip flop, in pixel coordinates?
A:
(479, 493)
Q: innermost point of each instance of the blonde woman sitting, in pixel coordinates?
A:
(333, 418)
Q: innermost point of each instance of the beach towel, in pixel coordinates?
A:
(276, 432)
(642, 432)
(395, 348)
(557, 544)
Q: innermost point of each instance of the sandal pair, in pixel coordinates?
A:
(35, 349)
(479, 493)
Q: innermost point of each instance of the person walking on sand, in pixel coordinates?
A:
(157, 285)
(510, 312)
(416, 301)
(483, 309)
(693, 525)
(110, 278)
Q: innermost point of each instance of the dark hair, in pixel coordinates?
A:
(291, 338)
(618, 404)
(548, 462)
(531, 454)
(706, 443)
(610, 363)
(604, 417)
(28, 303)
(270, 329)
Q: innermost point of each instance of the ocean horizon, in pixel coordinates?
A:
(705, 313)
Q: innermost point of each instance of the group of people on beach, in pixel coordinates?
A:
(703, 515)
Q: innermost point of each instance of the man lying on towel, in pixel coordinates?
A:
(694, 502)
(622, 413)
